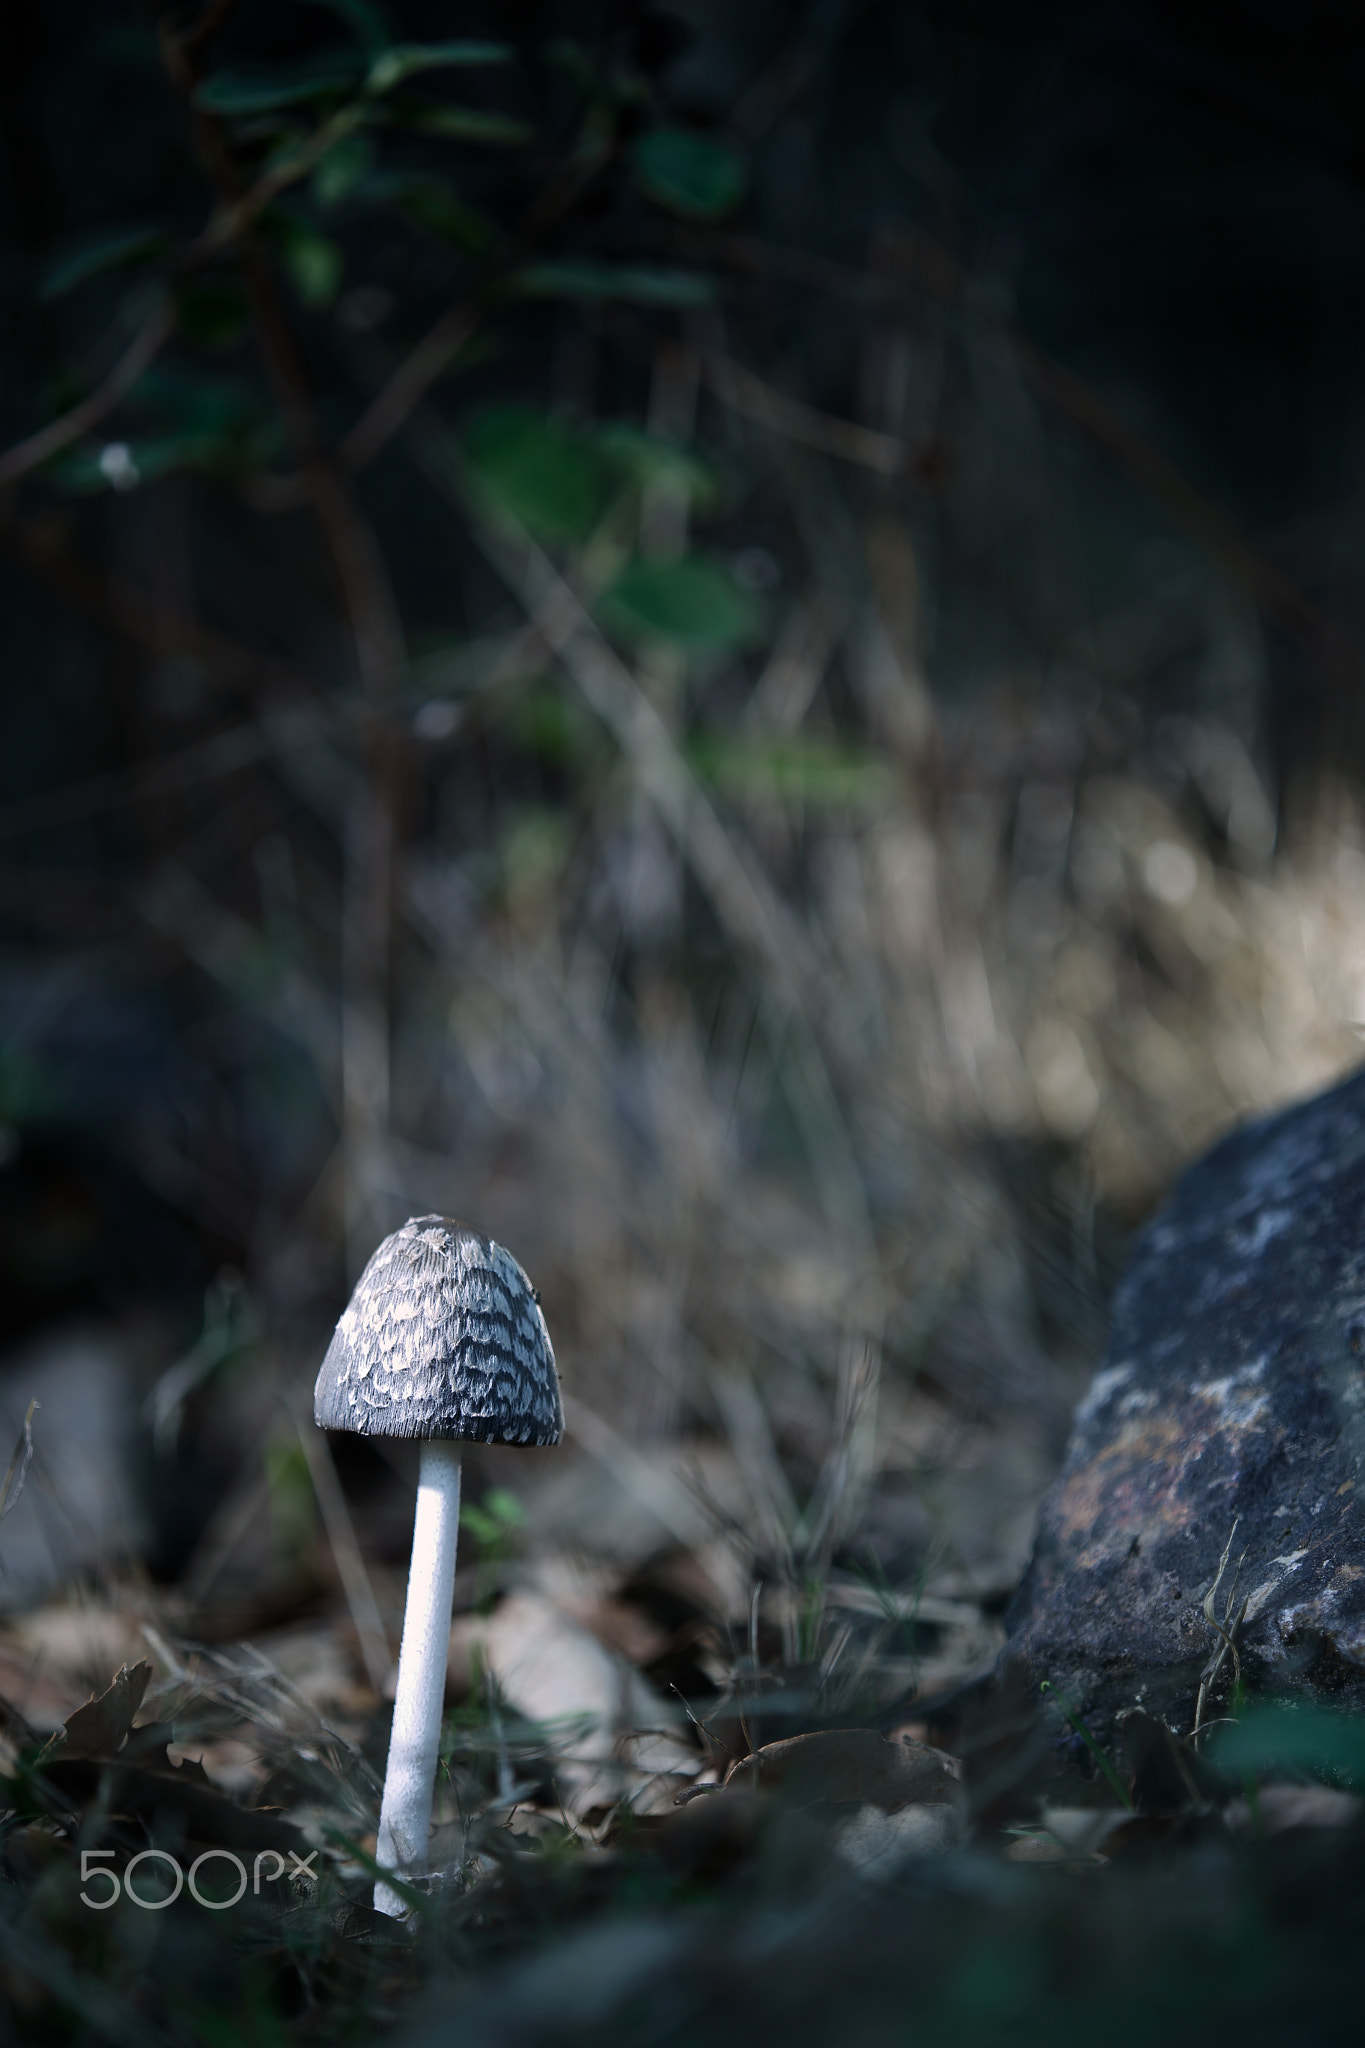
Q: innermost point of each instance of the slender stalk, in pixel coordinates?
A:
(414, 1745)
(350, 1560)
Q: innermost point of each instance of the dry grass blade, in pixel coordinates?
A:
(752, 913)
(1226, 1629)
(12, 1485)
(350, 1561)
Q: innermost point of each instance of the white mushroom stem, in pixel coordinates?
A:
(414, 1745)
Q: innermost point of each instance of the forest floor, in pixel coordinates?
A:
(913, 1853)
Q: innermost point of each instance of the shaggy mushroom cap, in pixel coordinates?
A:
(443, 1337)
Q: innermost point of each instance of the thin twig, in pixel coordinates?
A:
(204, 761)
(225, 228)
(657, 1492)
(142, 351)
(214, 16)
(751, 397)
(387, 412)
(930, 271)
(228, 948)
(277, 735)
(350, 1562)
(16, 1472)
(408, 386)
(795, 987)
(381, 659)
(234, 1517)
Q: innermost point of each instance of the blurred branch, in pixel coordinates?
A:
(381, 658)
(215, 15)
(205, 761)
(387, 413)
(928, 270)
(181, 53)
(227, 226)
(748, 909)
(1192, 513)
(141, 352)
(658, 1492)
(749, 396)
(735, 386)
(233, 953)
(408, 384)
(279, 735)
(159, 326)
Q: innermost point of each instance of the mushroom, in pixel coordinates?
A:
(443, 1341)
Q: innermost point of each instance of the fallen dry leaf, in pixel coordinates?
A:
(100, 1728)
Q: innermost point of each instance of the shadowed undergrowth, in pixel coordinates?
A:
(1177, 1885)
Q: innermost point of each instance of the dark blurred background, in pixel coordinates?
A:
(723, 640)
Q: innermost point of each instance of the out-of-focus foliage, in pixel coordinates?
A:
(721, 639)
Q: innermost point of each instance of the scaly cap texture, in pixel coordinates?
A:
(443, 1337)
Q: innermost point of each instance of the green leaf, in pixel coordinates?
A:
(346, 164)
(689, 173)
(188, 400)
(696, 603)
(431, 203)
(649, 459)
(504, 1507)
(638, 284)
(315, 264)
(365, 22)
(491, 1523)
(546, 477)
(463, 124)
(480, 1526)
(258, 91)
(554, 727)
(568, 55)
(98, 253)
(406, 60)
(211, 311)
(608, 84)
(792, 769)
(1300, 1741)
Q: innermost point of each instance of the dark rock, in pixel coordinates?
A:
(1233, 1393)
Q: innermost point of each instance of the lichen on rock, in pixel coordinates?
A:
(1233, 1395)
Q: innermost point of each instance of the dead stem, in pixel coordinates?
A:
(1226, 1629)
(350, 1561)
